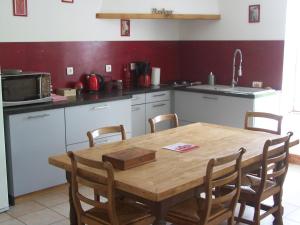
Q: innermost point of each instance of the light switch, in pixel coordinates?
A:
(70, 71)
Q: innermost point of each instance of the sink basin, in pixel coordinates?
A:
(229, 89)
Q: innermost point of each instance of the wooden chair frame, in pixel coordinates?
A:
(277, 118)
(105, 130)
(160, 118)
(104, 187)
(214, 198)
(270, 182)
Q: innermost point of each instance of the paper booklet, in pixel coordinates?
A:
(180, 147)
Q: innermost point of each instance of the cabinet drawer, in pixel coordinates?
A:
(155, 109)
(158, 96)
(138, 99)
(80, 119)
(99, 141)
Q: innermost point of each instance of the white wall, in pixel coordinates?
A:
(52, 20)
(234, 22)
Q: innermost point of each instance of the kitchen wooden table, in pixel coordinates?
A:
(174, 176)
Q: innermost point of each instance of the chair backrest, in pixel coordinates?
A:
(270, 116)
(93, 134)
(214, 182)
(275, 162)
(101, 186)
(168, 117)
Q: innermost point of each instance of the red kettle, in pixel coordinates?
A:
(94, 82)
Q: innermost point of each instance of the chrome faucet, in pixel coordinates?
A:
(240, 72)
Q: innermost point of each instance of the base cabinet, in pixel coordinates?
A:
(219, 109)
(33, 137)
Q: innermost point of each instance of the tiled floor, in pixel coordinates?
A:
(51, 207)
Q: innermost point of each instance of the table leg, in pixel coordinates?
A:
(160, 212)
(73, 217)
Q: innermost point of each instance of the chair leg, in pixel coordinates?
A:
(278, 214)
(256, 216)
(242, 210)
(231, 221)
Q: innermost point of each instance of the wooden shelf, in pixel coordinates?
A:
(158, 16)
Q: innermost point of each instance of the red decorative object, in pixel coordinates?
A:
(254, 13)
(68, 1)
(125, 28)
(20, 7)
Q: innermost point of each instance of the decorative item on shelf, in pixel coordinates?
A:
(68, 1)
(20, 7)
(254, 13)
(125, 28)
(162, 11)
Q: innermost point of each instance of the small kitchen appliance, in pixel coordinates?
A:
(155, 77)
(94, 82)
(140, 72)
(25, 88)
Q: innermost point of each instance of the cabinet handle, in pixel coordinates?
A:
(135, 109)
(159, 105)
(159, 95)
(210, 98)
(102, 141)
(100, 107)
(38, 116)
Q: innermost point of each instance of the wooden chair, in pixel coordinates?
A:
(263, 115)
(160, 118)
(113, 212)
(92, 135)
(214, 208)
(268, 184)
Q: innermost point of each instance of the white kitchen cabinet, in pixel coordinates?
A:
(80, 119)
(219, 109)
(138, 113)
(158, 108)
(99, 141)
(32, 138)
(158, 96)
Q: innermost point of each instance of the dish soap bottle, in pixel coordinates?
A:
(211, 79)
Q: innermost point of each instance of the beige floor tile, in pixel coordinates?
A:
(63, 209)
(63, 222)
(4, 217)
(43, 217)
(294, 216)
(11, 222)
(52, 199)
(24, 208)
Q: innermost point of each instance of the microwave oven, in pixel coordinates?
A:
(25, 88)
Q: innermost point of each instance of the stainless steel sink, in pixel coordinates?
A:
(229, 89)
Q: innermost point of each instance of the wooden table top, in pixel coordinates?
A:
(173, 173)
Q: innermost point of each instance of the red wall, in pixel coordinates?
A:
(188, 60)
(262, 61)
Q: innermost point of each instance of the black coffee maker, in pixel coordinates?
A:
(137, 69)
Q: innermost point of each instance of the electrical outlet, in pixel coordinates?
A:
(70, 71)
(108, 68)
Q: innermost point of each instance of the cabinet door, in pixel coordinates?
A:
(81, 119)
(138, 113)
(33, 138)
(208, 108)
(155, 109)
(138, 99)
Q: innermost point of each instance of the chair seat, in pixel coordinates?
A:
(128, 213)
(187, 211)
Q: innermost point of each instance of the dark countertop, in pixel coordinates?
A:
(84, 99)
(231, 94)
(88, 98)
